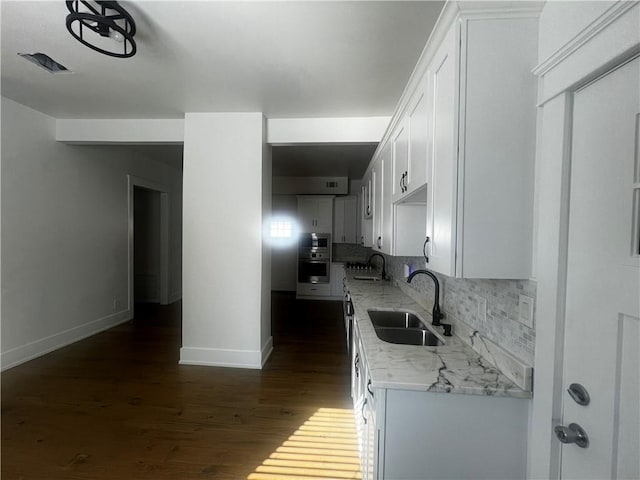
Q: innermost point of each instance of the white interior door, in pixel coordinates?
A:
(602, 335)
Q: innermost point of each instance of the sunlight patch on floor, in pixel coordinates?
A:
(325, 447)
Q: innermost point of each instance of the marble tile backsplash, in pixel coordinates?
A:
(350, 252)
(459, 299)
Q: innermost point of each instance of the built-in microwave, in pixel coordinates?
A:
(314, 241)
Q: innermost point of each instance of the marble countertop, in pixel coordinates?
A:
(451, 368)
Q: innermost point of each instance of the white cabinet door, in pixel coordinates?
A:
(378, 187)
(382, 205)
(366, 223)
(397, 182)
(351, 219)
(313, 290)
(345, 220)
(496, 144)
(442, 72)
(387, 206)
(418, 139)
(410, 144)
(338, 220)
(337, 280)
(307, 210)
(480, 208)
(315, 214)
(324, 222)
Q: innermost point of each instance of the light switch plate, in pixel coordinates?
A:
(481, 303)
(525, 310)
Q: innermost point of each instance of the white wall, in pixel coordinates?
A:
(64, 234)
(266, 340)
(292, 131)
(224, 167)
(561, 21)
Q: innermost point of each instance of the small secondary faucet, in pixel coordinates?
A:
(436, 313)
(384, 272)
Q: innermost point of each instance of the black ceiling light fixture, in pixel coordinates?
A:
(93, 21)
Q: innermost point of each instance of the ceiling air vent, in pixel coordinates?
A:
(44, 61)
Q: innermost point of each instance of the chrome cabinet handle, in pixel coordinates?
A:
(403, 182)
(378, 242)
(572, 434)
(424, 250)
(369, 389)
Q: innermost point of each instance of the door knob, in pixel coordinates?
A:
(572, 434)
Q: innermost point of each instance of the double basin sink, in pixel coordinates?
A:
(403, 328)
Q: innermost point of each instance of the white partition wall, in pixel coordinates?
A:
(224, 263)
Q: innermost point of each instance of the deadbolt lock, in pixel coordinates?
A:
(579, 394)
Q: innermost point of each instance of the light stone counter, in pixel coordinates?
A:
(452, 368)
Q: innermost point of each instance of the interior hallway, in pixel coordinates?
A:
(117, 405)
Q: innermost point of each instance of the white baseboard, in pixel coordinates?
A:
(37, 348)
(267, 348)
(221, 357)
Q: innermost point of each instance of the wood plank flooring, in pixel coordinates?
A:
(118, 405)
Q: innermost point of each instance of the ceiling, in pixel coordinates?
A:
(285, 59)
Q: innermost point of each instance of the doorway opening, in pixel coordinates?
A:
(148, 242)
(146, 245)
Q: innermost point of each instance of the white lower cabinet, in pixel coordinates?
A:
(313, 290)
(337, 280)
(409, 435)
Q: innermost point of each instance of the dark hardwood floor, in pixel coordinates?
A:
(118, 405)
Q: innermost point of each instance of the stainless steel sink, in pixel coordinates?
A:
(402, 328)
(408, 336)
(384, 318)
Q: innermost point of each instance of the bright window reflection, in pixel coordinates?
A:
(281, 231)
(325, 447)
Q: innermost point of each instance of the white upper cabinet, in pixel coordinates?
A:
(418, 115)
(382, 205)
(410, 146)
(457, 162)
(386, 244)
(377, 177)
(400, 160)
(367, 196)
(366, 221)
(442, 74)
(315, 213)
(345, 220)
(480, 203)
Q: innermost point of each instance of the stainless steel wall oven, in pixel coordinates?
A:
(314, 258)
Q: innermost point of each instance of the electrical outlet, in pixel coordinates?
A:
(481, 314)
(116, 303)
(525, 310)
